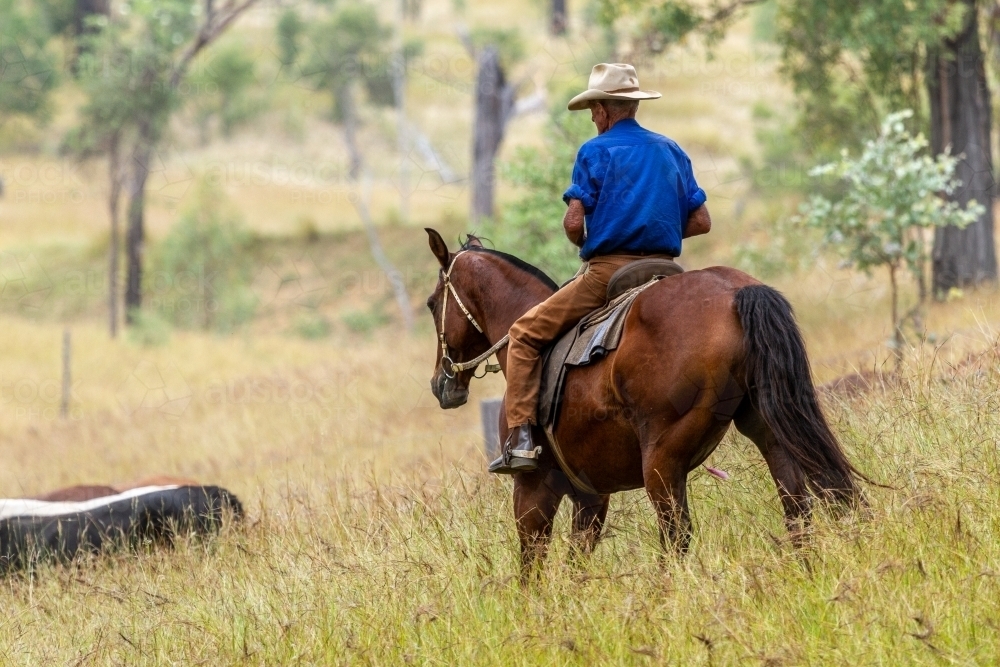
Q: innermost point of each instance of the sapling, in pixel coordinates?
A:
(890, 195)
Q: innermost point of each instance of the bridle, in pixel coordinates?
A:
(451, 367)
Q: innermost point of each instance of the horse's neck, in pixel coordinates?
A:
(509, 297)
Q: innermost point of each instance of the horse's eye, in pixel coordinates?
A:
(430, 304)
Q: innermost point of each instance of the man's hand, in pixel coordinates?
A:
(573, 222)
(699, 222)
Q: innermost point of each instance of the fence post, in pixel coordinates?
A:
(489, 412)
(66, 359)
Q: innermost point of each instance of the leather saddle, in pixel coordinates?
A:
(640, 272)
(598, 333)
(593, 338)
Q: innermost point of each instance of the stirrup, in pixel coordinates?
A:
(512, 461)
(506, 464)
(525, 453)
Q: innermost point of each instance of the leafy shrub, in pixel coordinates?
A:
(313, 326)
(224, 91)
(148, 329)
(202, 271)
(365, 322)
(531, 227)
(891, 193)
(289, 32)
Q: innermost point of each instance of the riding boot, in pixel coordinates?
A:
(520, 454)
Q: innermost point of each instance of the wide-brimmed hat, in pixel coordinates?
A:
(611, 81)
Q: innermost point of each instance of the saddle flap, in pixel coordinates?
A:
(640, 272)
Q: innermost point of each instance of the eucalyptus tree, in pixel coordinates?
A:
(852, 62)
(349, 50)
(27, 66)
(495, 104)
(132, 74)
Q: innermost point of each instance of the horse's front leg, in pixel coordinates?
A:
(536, 500)
(589, 512)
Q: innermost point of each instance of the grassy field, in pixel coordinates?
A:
(373, 534)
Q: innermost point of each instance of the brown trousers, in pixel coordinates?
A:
(545, 323)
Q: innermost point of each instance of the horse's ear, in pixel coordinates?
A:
(438, 247)
(473, 241)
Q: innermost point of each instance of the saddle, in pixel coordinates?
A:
(597, 334)
(590, 340)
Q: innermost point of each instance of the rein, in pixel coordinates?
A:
(447, 363)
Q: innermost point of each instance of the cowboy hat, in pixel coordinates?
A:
(611, 81)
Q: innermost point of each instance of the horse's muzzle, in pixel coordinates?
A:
(448, 393)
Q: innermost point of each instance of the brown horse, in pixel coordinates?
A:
(699, 351)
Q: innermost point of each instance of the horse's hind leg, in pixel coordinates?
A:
(536, 500)
(666, 485)
(788, 476)
(589, 512)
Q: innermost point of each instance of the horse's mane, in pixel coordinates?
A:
(471, 239)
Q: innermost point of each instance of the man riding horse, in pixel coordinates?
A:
(633, 196)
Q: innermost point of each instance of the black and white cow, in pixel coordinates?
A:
(32, 531)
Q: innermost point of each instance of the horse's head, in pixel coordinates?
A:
(458, 337)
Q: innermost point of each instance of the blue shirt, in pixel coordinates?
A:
(637, 190)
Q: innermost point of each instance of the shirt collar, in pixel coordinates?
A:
(625, 123)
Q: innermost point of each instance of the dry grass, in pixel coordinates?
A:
(374, 537)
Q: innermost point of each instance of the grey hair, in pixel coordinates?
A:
(626, 108)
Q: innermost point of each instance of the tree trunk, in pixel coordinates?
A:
(345, 95)
(361, 199)
(960, 119)
(135, 235)
(82, 10)
(115, 176)
(557, 17)
(402, 134)
(494, 103)
(396, 278)
(897, 325)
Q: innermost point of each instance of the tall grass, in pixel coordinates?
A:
(373, 535)
(354, 556)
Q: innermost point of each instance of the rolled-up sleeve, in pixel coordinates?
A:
(588, 174)
(695, 195)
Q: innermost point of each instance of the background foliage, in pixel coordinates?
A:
(531, 226)
(202, 270)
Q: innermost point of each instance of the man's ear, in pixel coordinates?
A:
(438, 247)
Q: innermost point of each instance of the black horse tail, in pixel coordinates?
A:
(781, 390)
